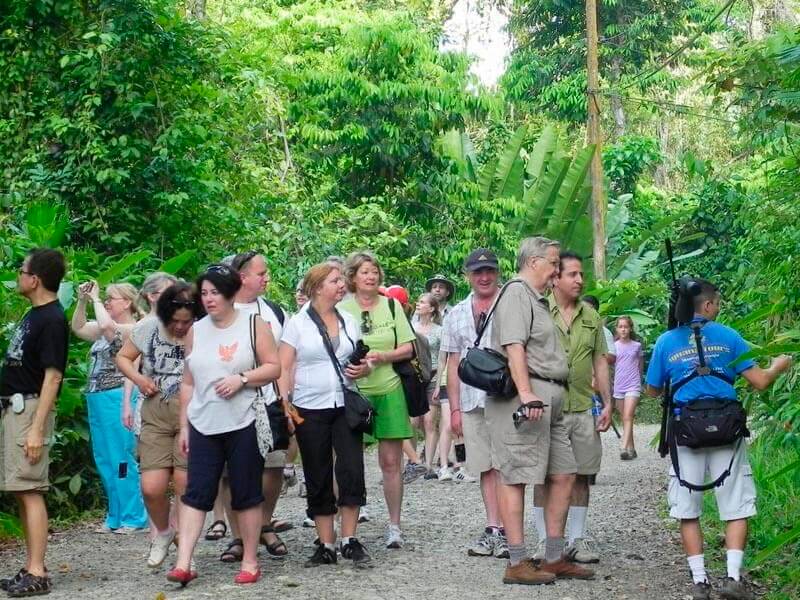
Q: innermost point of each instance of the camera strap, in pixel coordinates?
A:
(326, 340)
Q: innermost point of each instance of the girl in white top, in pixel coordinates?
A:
(310, 379)
(219, 386)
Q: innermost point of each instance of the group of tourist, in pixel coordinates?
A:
(191, 386)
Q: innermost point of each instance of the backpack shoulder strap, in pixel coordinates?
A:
(276, 308)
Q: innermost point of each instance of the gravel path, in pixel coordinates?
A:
(641, 556)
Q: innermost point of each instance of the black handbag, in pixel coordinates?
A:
(487, 369)
(278, 421)
(415, 388)
(709, 422)
(358, 411)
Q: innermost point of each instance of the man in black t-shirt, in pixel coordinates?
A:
(32, 372)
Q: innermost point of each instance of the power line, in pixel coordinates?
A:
(665, 63)
(684, 109)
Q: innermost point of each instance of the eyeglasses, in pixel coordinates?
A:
(366, 322)
(481, 321)
(221, 269)
(553, 263)
(110, 298)
(24, 272)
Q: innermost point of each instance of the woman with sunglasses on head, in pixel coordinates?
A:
(112, 444)
(154, 284)
(158, 345)
(380, 331)
(311, 378)
(230, 355)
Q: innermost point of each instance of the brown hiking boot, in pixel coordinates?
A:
(527, 573)
(563, 569)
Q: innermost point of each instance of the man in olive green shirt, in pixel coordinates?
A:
(580, 330)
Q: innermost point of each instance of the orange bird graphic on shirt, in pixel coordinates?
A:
(226, 353)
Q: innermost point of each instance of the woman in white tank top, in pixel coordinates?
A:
(220, 382)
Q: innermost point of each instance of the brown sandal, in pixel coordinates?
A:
(216, 531)
(234, 552)
(278, 547)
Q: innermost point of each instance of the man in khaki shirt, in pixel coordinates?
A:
(537, 450)
(580, 331)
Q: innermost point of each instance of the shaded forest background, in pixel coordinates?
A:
(158, 134)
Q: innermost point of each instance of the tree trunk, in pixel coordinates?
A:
(197, 9)
(616, 101)
(661, 175)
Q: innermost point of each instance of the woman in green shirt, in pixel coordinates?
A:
(389, 339)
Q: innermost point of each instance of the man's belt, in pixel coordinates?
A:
(562, 382)
(5, 401)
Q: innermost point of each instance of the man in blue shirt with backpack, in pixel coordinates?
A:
(698, 359)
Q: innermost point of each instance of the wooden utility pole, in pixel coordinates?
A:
(594, 136)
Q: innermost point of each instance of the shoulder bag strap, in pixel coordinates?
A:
(259, 391)
(326, 341)
(492, 309)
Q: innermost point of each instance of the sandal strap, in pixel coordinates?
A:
(216, 523)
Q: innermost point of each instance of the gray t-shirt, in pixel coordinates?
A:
(162, 359)
(103, 372)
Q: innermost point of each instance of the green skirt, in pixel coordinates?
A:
(391, 420)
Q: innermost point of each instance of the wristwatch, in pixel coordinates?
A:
(244, 379)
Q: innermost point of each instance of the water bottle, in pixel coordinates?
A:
(597, 407)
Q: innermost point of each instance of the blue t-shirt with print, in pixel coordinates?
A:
(675, 357)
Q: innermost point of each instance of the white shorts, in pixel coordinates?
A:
(736, 497)
(628, 396)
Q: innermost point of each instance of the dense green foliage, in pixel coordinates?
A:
(132, 134)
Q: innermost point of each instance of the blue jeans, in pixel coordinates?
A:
(113, 447)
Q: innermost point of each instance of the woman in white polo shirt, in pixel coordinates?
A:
(310, 379)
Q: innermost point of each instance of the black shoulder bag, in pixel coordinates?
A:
(278, 421)
(487, 369)
(358, 411)
(705, 422)
(415, 388)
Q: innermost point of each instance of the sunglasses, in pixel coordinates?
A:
(221, 269)
(183, 303)
(481, 321)
(245, 258)
(366, 322)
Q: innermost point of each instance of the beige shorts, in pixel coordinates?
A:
(538, 448)
(19, 475)
(476, 441)
(158, 440)
(585, 441)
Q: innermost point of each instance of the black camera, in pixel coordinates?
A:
(359, 353)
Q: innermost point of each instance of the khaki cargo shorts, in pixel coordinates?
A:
(477, 443)
(158, 440)
(19, 475)
(538, 448)
(585, 440)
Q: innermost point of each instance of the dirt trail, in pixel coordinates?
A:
(641, 556)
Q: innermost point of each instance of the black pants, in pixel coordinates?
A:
(323, 432)
(207, 457)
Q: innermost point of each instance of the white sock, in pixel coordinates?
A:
(697, 566)
(330, 546)
(576, 522)
(538, 519)
(343, 541)
(735, 563)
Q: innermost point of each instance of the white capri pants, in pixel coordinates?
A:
(736, 497)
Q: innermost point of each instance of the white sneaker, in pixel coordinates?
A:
(484, 545)
(309, 522)
(445, 474)
(363, 515)
(461, 476)
(159, 548)
(394, 537)
(583, 550)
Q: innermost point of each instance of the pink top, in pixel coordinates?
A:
(627, 371)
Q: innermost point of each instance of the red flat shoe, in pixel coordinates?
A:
(243, 577)
(177, 575)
